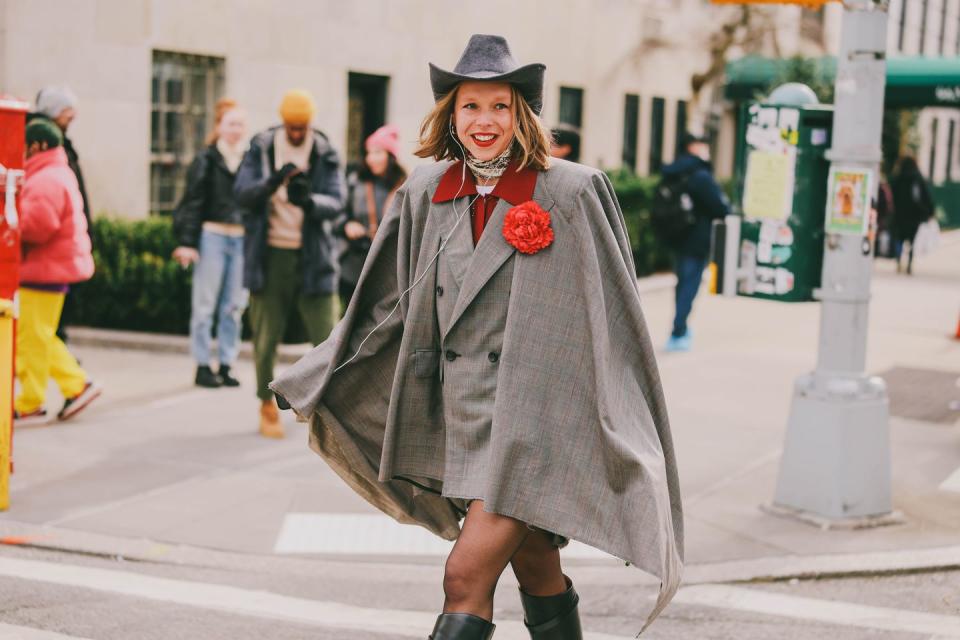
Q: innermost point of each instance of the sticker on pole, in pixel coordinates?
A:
(848, 200)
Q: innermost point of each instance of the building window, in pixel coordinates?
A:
(951, 141)
(681, 126)
(367, 111)
(183, 93)
(943, 27)
(571, 106)
(811, 25)
(932, 167)
(902, 26)
(923, 27)
(656, 134)
(631, 121)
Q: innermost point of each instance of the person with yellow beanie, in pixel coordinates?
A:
(290, 190)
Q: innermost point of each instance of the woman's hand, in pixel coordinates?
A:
(354, 230)
(186, 256)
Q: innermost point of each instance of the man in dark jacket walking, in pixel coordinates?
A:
(59, 104)
(709, 204)
(290, 191)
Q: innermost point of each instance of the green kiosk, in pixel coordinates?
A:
(773, 247)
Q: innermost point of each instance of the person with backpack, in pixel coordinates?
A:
(687, 201)
(913, 206)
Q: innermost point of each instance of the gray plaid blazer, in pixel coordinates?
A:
(580, 443)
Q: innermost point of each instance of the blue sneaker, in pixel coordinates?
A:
(681, 343)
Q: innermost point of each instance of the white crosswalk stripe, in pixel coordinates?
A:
(13, 632)
(840, 613)
(952, 483)
(375, 534)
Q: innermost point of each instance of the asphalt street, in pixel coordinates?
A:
(78, 596)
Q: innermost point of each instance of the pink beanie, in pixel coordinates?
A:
(386, 137)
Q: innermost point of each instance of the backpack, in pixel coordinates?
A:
(672, 212)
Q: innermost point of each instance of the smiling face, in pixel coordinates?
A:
(483, 115)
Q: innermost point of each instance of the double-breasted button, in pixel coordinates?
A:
(493, 356)
(451, 355)
(439, 290)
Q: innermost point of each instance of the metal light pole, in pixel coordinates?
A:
(836, 460)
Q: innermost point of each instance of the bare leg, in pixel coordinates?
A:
(485, 546)
(537, 566)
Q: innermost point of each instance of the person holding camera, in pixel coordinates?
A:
(370, 191)
(290, 191)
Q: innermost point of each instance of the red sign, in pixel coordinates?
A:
(13, 116)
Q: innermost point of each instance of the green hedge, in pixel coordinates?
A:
(635, 194)
(137, 286)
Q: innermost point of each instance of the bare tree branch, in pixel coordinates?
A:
(747, 28)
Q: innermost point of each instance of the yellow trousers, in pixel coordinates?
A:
(41, 354)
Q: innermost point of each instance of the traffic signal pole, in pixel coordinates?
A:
(836, 460)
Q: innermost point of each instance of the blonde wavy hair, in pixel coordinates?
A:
(529, 133)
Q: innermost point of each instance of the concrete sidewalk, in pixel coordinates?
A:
(157, 460)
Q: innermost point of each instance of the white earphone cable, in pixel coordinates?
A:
(443, 244)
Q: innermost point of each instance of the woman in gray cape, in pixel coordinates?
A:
(494, 365)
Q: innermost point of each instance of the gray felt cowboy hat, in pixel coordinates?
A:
(489, 58)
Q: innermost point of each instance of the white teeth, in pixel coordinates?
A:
(482, 137)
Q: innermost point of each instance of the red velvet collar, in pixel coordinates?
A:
(516, 187)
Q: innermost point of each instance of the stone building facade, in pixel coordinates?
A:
(147, 72)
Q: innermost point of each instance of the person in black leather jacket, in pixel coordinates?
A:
(208, 226)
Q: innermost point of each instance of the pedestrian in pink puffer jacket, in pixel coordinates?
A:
(56, 254)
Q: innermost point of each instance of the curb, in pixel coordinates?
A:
(424, 568)
(165, 343)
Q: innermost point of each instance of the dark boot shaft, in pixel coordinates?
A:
(462, 626)
(553, 617)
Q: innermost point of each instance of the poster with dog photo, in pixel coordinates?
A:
(848, 202)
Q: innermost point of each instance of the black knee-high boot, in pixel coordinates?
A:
(462, 626)
(553, 617)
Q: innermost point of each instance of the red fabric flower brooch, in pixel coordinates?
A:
(527, 227)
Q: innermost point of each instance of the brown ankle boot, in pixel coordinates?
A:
(270, 425)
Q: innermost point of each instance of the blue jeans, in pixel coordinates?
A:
(689, 274)
(217, 289)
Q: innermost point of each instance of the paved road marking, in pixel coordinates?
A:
(840, 613)
(12, 632)
(952, 483)
(262, 604)
(375, 534)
